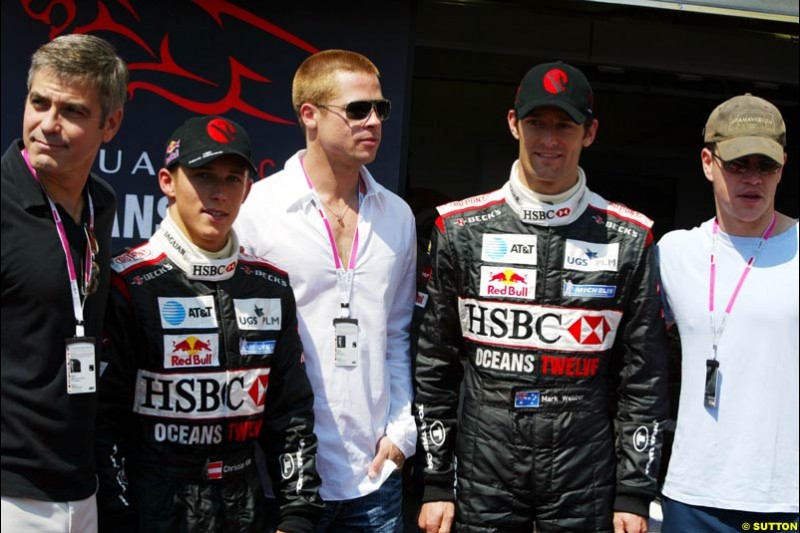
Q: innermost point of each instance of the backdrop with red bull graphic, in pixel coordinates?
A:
(228, 57)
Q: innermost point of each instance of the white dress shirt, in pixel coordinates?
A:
(353, 406)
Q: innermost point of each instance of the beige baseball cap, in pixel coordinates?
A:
(746, 125)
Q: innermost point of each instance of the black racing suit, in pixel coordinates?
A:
(196, 372)
(551, 318)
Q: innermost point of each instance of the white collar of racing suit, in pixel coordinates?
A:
(532, 208)
(193, 260)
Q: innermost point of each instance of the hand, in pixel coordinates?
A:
(386, 450)
(629, 523)
(436, 517)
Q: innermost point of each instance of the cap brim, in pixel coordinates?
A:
(744, 146)
(197, 160)
(573, 112)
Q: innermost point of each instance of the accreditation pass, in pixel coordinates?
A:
(81, 365)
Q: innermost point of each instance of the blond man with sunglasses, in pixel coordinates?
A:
(731, 287)
(349, 246)
(57, 218)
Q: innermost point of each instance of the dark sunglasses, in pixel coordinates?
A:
(360, 109)
(764, 165)
(92, 270)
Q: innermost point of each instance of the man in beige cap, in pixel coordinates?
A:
(731, 287)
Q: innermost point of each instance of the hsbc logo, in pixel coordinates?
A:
(421, 300)
(530, 326)
(201, 396)
(534, 215)
(213, 272)
(590, 330)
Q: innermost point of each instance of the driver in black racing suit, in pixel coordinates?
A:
(543, 301)
(202, 361)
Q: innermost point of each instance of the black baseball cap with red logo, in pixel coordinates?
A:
(557, 85)
(200, 140)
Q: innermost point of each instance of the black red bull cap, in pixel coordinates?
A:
(200, 140)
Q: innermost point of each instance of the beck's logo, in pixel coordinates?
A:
(507, 282)
(477, 218)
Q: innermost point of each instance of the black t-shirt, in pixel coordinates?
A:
(47, 434)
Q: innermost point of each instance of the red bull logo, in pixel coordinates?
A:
(508, 277)
(192, 346)
(508, 282)
(182, 351)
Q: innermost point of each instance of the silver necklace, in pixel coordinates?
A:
(340, 215)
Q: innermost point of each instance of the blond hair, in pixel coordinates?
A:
(314, 82)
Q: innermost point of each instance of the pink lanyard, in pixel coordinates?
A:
(716, 334)
(77, 303)
(344, 278)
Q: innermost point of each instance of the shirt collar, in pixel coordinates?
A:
(31, 194)
(299, 194)
(532, 210)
